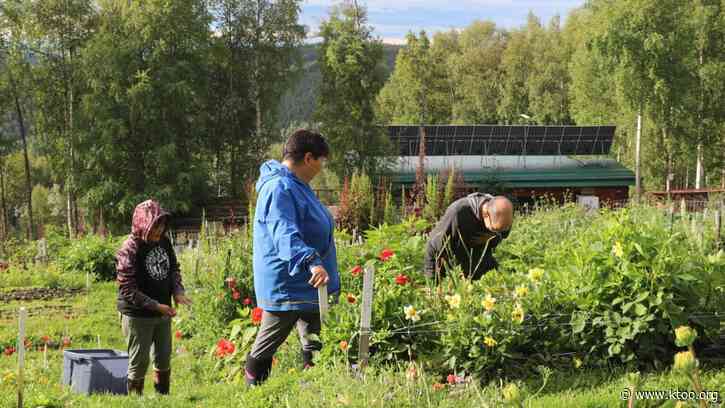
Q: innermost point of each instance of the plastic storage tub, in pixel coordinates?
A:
(95, 371)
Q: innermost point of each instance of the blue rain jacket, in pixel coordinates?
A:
(293, 232)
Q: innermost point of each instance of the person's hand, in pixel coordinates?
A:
(182, 300)
(319, 277)
(166, 310)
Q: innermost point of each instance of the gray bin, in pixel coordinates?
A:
(95, 371)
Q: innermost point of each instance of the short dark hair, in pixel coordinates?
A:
(303, 141)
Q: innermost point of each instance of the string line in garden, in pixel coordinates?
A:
(445, 326)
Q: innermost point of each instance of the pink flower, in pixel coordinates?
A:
(356, 270)
(386, 254)
(247, 301)
(9, 350)
(257, 315)
(235, 294)
(452, 379)
(402, 279)
(66, 342)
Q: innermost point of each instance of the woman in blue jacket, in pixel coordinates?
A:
(294, 252)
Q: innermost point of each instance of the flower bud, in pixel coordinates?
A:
(511, 393)
(685, 336)
(685, 362)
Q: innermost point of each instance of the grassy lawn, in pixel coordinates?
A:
(196, 380)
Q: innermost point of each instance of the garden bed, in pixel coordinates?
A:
(38, 294)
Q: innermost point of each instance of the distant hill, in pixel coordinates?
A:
(298, 103)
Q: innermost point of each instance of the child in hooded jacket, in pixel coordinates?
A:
(148, 279)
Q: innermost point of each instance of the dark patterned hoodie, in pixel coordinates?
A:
(147, 272)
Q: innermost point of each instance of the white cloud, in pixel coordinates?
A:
(392, 19)
(394, 41)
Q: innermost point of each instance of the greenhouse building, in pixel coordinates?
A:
(524, 162)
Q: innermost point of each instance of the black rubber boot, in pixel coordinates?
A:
(257, 370)
(162, 381)
(307, 360)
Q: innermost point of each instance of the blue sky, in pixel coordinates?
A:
(392, 19)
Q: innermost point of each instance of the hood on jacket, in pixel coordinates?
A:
(145, 216)
(269, 170)
(475, 200)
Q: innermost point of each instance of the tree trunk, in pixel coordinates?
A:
(700, 114)
(3, 204)
(699, 169)
(258, 77)
(668, 169)
(687, 177)
(637, 174)
(258, 107)
(23, 137)
(69, 212)
(670, 176)
(217, 172)
(71, 138)
(234, 178)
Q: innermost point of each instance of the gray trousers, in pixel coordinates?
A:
(144, 336)
(276, 326)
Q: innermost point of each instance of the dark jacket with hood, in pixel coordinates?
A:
(461, 237)
(147, 272)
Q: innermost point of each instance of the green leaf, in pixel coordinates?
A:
(249, 335)
(642, 296)
(235, 331)
(615, 349)
(578, 322)
(640, 309)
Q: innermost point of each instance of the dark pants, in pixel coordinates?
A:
(147, 336)
(275, 328)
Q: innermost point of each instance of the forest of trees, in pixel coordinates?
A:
(106, 102)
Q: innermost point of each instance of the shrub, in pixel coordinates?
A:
(91, 254)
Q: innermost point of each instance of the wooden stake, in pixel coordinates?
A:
(322, 298)
(366, 316)
(21, 353)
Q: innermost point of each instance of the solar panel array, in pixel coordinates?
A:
(485, 140)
